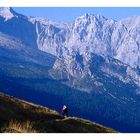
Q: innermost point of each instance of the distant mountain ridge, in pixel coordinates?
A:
(92, 64)
(96, 34)
(92, 34)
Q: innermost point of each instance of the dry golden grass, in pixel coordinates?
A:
(24, 127)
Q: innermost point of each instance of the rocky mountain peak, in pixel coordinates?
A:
(7, 12)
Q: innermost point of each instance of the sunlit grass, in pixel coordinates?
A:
(22, 127)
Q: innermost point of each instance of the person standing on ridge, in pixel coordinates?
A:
(65, 111)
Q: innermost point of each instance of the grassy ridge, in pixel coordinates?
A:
(23, 117)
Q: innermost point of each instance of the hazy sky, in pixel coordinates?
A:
(67, 14)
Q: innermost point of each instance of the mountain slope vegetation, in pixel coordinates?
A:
(19, 116)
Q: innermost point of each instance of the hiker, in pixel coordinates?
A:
(65, 111)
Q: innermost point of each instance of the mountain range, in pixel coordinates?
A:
(91, 64)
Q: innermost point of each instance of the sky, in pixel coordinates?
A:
(69, 14)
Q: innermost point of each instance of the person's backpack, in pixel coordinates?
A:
(62, 110)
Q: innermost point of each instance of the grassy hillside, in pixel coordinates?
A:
(20, 116)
